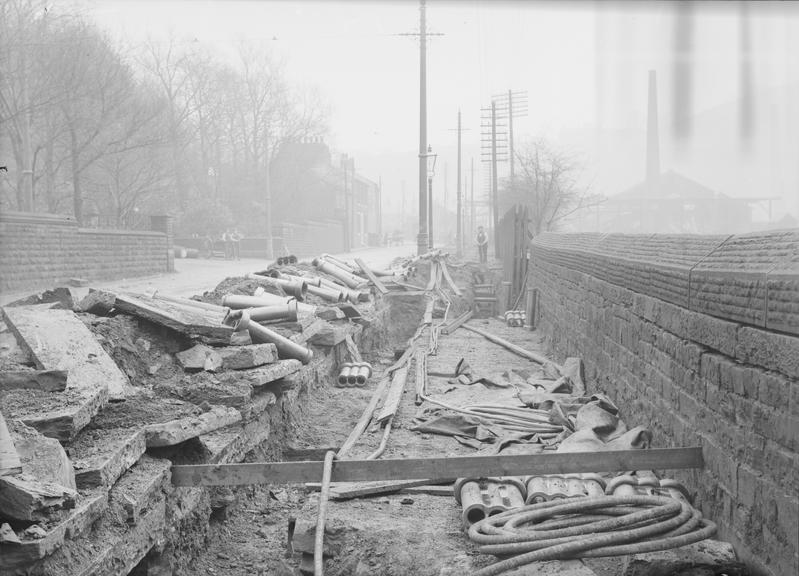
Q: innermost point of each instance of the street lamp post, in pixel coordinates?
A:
(431, 171)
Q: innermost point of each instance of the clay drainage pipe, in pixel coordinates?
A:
(261, 334)
(296, 288)
(326, 293)
(286, 312)
(350, 280)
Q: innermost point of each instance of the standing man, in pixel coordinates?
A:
(227, 239)
(235, 238)
(482, 244)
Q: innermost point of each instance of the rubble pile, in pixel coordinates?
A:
(101, 395)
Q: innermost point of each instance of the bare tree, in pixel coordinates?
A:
(547, 183)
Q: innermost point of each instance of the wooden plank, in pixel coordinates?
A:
(349, 490)
(371, 275)
(439, 468)
(449, 280)
(421, 375)
(431, 283)
(457, 322)
(46, 380)
(518, 350)
(394, 395)
(9, 459)
(363, 421)
(204, 325)
(428, 313)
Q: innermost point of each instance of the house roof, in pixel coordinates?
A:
(670, 185)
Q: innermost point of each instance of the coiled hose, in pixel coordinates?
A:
(587, 528)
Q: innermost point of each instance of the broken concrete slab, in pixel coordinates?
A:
(139, 486)
(65, 296)
(177, 431)
(43, 458)
(27, 499)
(304, 535)
(330, 335)
(133, 522)
(199, 357)
(270, 373)
(204, 325)
(711, 556)
(100, 457)
(46, 380)
(97, 302)
(66, 524)
(58, 340)
(10, 462)
(252, 356)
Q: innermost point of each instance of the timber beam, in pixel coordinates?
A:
(437, 468)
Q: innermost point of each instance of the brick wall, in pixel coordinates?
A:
(696, 338)
(43, 250)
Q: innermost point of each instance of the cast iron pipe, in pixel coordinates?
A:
(286, 312)
(326, 293)
(296, 288)
(350, 280)
(340, 263)
(261, 334)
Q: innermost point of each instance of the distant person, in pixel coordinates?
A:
(482, 244)
(208, 246)
(227, 239)
(235, 239)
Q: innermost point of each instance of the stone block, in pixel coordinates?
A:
(243, 357)
(779, 352)
(199, 357)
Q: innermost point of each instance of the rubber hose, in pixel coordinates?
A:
(560, 529)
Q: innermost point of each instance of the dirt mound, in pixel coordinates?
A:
(143, 351)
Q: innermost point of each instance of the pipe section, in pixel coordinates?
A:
(326, 293)
(296, 288)
(261, 334)
(286, 312)
(483, 497)
(350, 280)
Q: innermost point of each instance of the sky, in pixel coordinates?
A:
(583, 66)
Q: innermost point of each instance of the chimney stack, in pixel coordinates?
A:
(652, 138)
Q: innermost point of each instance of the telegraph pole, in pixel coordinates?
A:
(471, 201)
(459, 232)
(421, 240)
(494, 199)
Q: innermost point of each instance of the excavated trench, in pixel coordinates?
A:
(243, 531)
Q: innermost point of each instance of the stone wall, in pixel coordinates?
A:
(42, 250)
(696, 338)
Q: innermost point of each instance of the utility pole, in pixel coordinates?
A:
(514, 104)
(493, 150)
(494, 199)
(267, 200)
(471, 201)
(459, 232)
(460, 228)
(422, 240)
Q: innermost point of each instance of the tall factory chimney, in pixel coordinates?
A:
(652, 138)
